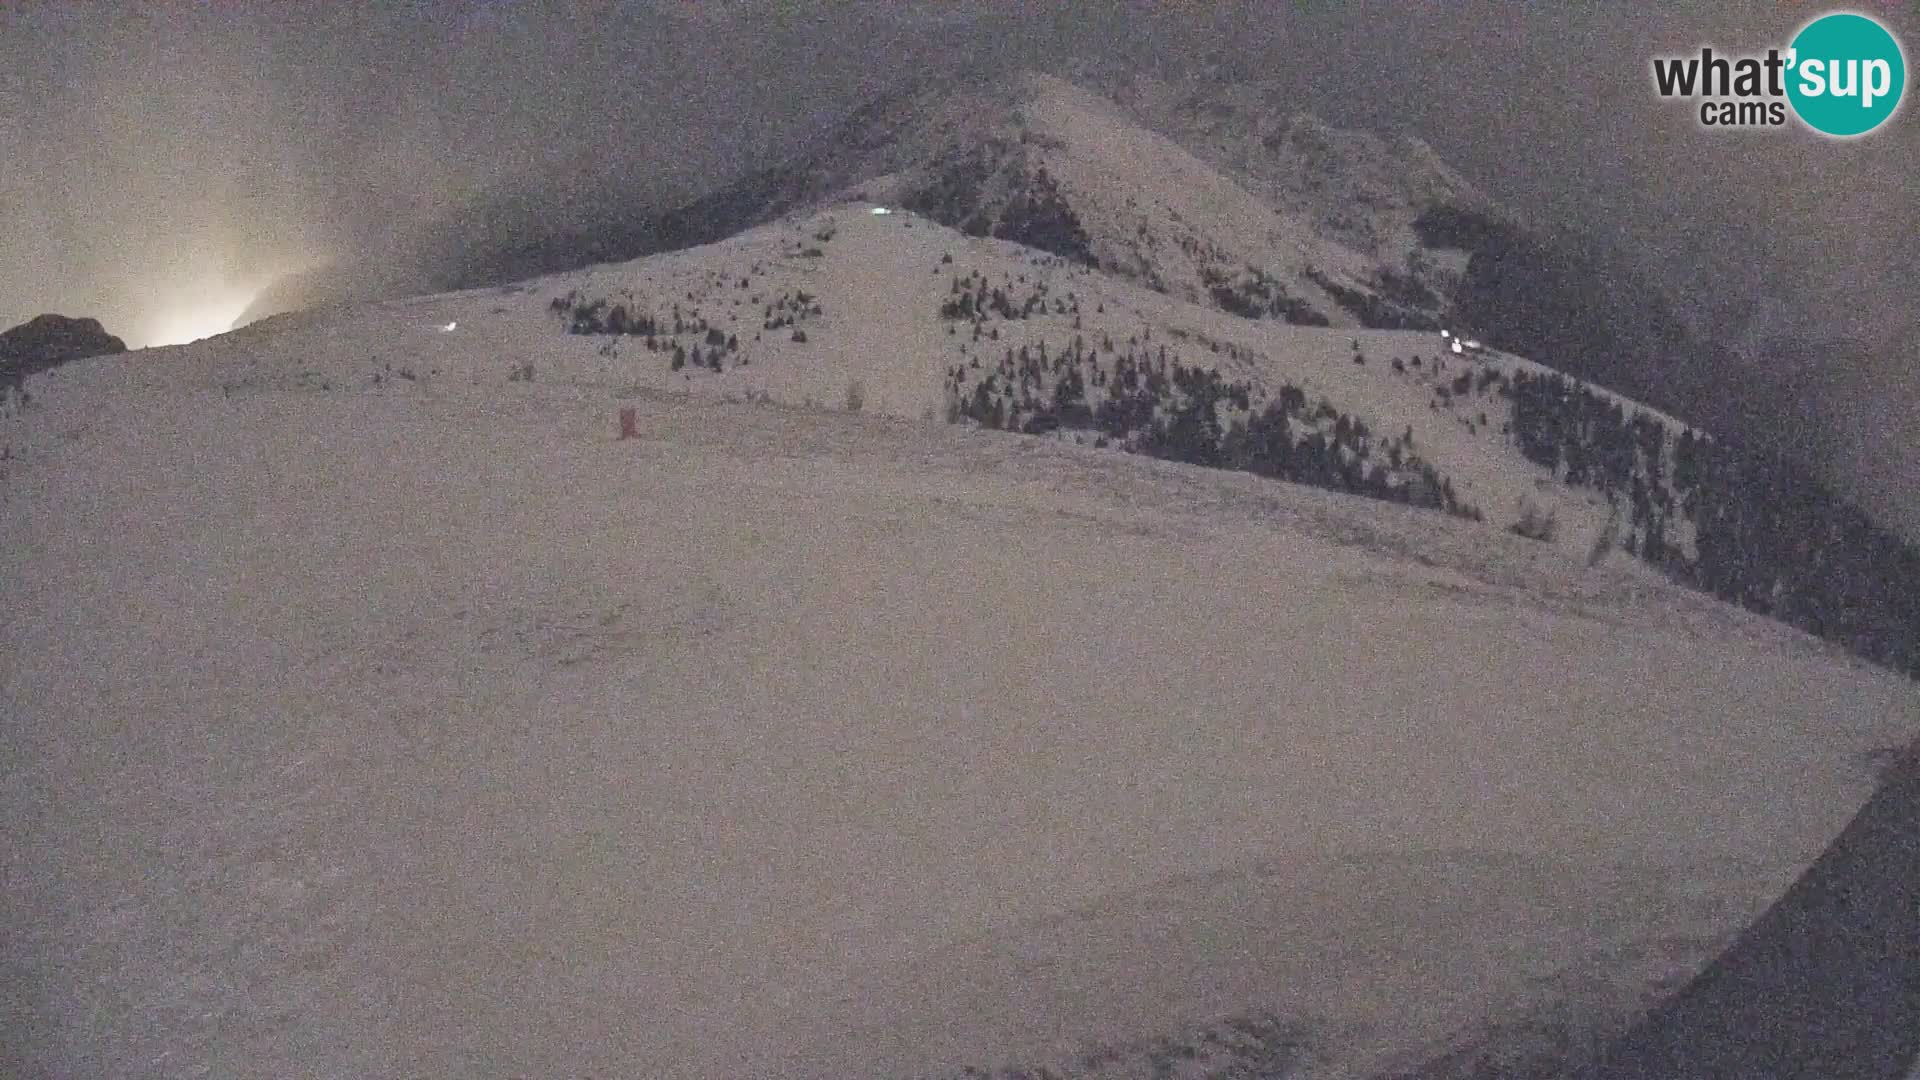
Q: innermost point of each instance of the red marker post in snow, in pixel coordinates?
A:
(628, 424)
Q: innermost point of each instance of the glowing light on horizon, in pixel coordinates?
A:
(209, 312)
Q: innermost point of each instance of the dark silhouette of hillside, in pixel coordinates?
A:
(1569, 302)
(1826, 983)
(47, 341)
(1769, 536)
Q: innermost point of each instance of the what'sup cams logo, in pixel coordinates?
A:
(1843, 75)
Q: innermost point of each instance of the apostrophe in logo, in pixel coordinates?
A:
(1843, 75)
(1847, 74)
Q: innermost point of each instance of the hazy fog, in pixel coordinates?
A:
(161, 167)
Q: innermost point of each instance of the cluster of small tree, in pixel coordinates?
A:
(1456, 392)
(709, 353)
(1258, 296)
(1037, 216)
(970, 297)
(1589, 441)
(1405, 290)
(605, 317)
(1771, 537)
(989, 190)
(955, 195)
(1768, 535)
(585, 317)
(788, 309)
(1373, 310)
(1150, 403)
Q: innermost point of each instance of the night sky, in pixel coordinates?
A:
(160, 154)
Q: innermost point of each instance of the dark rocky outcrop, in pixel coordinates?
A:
(47, 341)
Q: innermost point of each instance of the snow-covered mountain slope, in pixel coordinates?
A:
(418, 725)
(915, 319)
(1301, 227)
(1213, 188)
(1358, 187)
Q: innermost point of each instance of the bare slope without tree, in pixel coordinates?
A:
(371, 710)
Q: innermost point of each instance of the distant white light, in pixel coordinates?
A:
(1443, 333)
(200, 313)
(1456, 345)
(448, 329)
(879, 210)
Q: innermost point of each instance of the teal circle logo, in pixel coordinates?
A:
(1846, 74)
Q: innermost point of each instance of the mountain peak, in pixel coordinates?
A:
(1210, 192)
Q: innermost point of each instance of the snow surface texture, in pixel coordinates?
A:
(371, 710)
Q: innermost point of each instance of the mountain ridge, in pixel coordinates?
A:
(1602, 417)
(896, 314)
